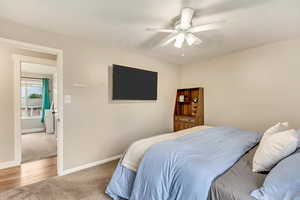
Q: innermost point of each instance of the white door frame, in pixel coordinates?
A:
(18, 60)
(17, 111)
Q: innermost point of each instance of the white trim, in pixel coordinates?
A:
(31, 47)
(93, 164)
(60, 122)
(33, 117)
(59, 65)
(32, 130)
(34, 60)
(17, 108)
(18, 60)
(8, 164)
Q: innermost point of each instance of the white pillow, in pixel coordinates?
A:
(274, 148)
(281, 126)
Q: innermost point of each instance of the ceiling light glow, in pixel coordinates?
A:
(190, 39)
(179, 40)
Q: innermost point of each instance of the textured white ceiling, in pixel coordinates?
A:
(122, 23)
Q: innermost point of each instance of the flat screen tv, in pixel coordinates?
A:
(133, 84)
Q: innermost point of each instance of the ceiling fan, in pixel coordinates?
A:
(185, 31)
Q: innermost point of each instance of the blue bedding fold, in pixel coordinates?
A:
(121, 183)
(183, 168)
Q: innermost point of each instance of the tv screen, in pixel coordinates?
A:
(134, 84)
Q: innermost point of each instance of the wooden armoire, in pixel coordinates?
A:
(189, 108)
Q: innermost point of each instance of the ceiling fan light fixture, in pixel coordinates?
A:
(184, 29)
(190, 39)
(179, 40)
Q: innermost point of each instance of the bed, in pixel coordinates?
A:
(211, 163)
(238, 182)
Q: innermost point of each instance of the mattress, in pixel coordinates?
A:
(237, 182)
(187, 166)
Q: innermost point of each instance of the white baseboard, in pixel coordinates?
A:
(9, 164)
(85, 166)
(32, 130)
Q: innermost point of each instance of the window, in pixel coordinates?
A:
(31, 98)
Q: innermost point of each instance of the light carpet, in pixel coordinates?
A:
(37, 146)
(88, 184)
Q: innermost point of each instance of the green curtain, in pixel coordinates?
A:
(46, 104)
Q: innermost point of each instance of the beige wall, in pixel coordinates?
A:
(6, 106)
(94, 127)
(250, 89)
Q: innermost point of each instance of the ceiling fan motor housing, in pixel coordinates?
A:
(178, 27)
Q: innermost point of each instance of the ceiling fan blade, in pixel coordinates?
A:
(167, 40)
(186, 18)
(206, 27)
(192, 39)
(161, 30)
(179, 40)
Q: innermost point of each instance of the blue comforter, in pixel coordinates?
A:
(183, 168)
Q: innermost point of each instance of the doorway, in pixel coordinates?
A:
(28, 85)
(38, 109)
